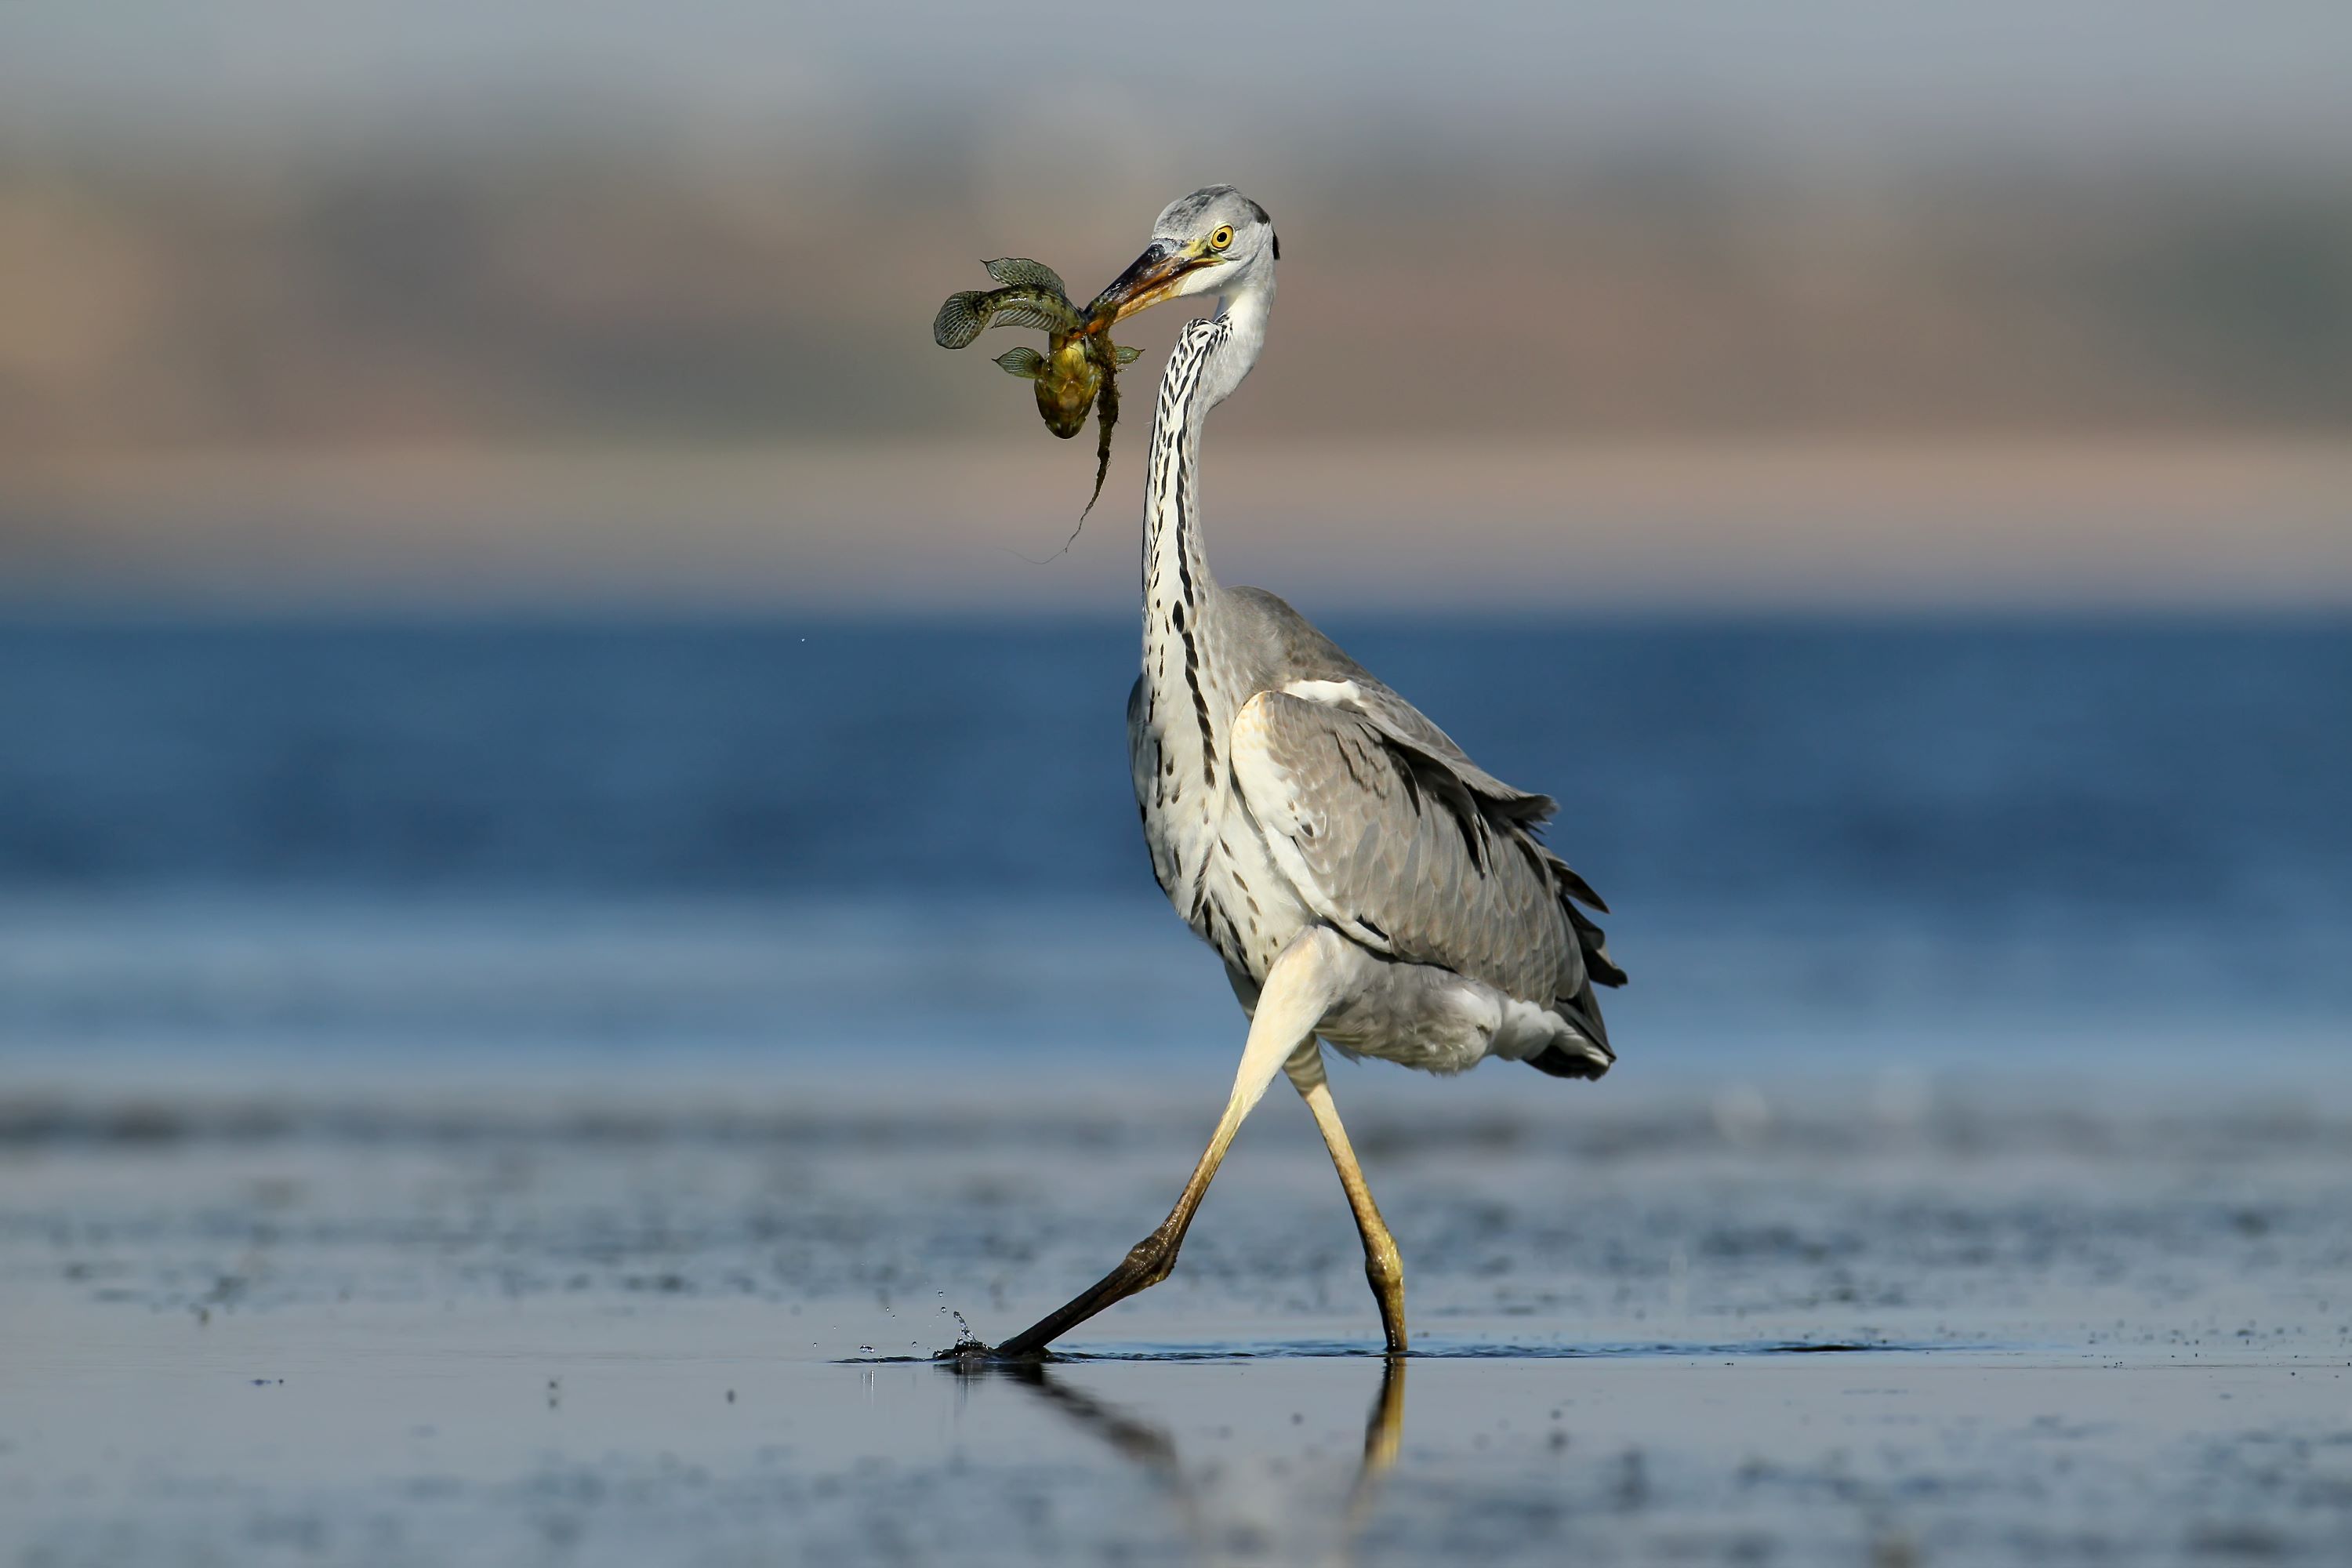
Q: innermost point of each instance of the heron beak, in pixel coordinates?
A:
(1153, 276)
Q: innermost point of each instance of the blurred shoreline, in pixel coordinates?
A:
(2190, 520)
(590, 284)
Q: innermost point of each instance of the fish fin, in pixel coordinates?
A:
(1020, 272)
(1026, 363)
(1024, 313)
(959, 320)
(1126, 356)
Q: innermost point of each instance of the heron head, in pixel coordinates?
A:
(1209, 242)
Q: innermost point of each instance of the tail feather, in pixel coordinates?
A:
(1585, 1054)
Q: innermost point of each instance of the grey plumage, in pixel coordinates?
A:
(1413, 852)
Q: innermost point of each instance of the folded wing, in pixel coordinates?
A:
(1398, 840)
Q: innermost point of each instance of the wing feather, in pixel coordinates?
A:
(1407, 726)
(1390, 842)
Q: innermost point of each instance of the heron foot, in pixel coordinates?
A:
(1147, 1263)
(971, 1355)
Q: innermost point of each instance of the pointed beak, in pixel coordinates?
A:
(1153, 276)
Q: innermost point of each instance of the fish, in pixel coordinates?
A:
(1078, 372)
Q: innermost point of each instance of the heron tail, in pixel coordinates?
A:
(1586, 1052)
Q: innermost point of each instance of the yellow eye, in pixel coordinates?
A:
(1222, 237)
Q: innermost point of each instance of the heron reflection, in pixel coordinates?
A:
(1151, 1447)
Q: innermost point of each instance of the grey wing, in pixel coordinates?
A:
(1143, 766)
(1305, 662)
(1309, 663)
(1392, 844)
(1142, 756)
(1525, 811)
(1409, 728)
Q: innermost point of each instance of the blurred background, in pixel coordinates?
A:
(493, 571)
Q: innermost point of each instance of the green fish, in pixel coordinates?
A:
(1079, 372)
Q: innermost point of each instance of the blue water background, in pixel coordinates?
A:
(2006, 845)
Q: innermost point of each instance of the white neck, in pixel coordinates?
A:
(1209, 361)
(1243, 308)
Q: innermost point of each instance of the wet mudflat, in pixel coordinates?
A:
(1914, 1328)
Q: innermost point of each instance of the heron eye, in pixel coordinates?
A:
(1222, 237)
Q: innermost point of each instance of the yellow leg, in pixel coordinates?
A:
(1304, 981)
(1382, 1266)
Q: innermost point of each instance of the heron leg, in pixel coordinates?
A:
(1382, 1266)
(1305, 978)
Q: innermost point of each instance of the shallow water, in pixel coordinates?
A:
(593, 1328)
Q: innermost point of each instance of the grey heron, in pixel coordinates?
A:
(1368, 886)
